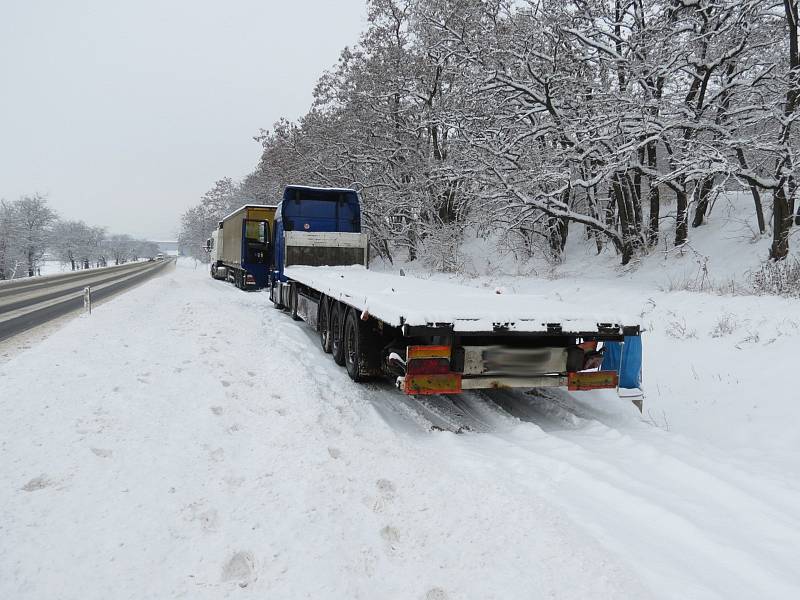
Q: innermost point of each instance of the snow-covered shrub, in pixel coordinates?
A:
(440, 250)
(680, 330)
(778, 278)
(725, 325)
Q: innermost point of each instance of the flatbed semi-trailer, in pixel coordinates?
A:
(432, 337)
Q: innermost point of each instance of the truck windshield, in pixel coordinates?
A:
(256, 231)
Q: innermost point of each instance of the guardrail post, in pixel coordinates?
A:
(87, 299)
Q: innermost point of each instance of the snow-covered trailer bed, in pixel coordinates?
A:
(411, 302)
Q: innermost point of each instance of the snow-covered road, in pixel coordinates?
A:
(189, 441)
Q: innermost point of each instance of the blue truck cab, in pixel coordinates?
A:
(310, 209)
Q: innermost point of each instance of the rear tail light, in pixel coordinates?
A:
(249, 279)
(414, 352)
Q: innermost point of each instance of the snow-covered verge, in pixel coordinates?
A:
(189, 441)
(719, 256)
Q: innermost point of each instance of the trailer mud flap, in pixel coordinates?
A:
(428, 371)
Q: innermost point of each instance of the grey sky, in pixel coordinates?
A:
(125, 113)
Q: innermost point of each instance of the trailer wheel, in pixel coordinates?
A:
(324, 324)
(274, 289)
(361, 347)
(337, 330)
(294, 296)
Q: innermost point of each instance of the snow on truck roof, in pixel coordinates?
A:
(244, 206)
(408, 300)
(326, 189)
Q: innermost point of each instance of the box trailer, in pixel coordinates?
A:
(239, 247)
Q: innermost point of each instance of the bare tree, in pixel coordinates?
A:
(10, 240)
(34, 218)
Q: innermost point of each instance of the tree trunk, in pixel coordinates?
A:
(654, 197)
(783, 203)
(637, 193)
(782, 222)
(626, 215)
(703, 193)
(682, 221)
(762, 226)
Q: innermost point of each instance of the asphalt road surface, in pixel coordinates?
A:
(26, 303)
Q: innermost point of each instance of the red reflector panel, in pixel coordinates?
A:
(449, 383)
(428, 366)
(593, 380)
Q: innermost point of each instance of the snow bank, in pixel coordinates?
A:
(189, 441)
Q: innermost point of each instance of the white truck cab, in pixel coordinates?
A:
(214, 249)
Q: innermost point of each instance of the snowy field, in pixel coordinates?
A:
(189, 441)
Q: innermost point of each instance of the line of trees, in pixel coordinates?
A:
(29, 229)
(623, 119)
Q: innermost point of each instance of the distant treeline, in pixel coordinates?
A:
(521, 120)
(29, 228)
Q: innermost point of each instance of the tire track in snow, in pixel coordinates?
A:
(640, 498)
(681, 504)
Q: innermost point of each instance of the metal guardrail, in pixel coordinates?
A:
(30, 302)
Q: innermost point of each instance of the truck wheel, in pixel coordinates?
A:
(337, 331)
(362, 346)
(352, 346)
(324, 324)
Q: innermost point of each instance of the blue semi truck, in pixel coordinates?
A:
(239, 249)
(432, 337)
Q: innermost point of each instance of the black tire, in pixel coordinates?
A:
(352, 345)
(273, 290)
(362, 347)
(324, 324)
(337, 329)
(294, 296)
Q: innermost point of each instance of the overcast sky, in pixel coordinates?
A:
(125, 112)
